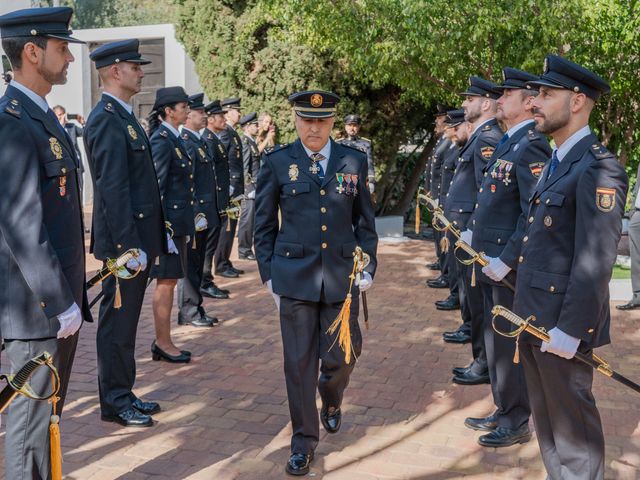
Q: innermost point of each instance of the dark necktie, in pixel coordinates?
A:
(554, 163)
(316, 158)
(504, 138)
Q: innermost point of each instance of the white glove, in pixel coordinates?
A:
(171, 245)
(187, 239)
(231, 189)
(201, 224)
(372, 187)
(561, 344)
(466, 236)
(496, 270)
(276, 297)
(70, 321)
(251, 195)
(133, 263)
(364, 281)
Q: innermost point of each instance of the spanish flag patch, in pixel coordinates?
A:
(486, 152)
(605, 198)
(536, 168)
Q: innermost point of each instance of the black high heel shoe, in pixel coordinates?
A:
(158, 354)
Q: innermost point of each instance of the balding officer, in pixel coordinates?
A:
(251, 167)
(498, 224)
(306, 258)
(127, 214)
(352, 125)
(480, 109)
(43, 298)
(573, 227)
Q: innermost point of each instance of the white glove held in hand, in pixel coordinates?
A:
(141, 260)
(276, 297)
(496, 270)
(561, 344)
(231, 189)
(364, 281)
(70, 321)
(251, 195)
(466, 236)
(201, 224)
(171, 245)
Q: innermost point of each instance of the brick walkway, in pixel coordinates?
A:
(225, 415)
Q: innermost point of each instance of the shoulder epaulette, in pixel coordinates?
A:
(185, 136)
(487, 127)
(109, 107)
(12, 107)
(366, 139)
(276, 148)
(163, 133)
(359, 148)
(599, 151)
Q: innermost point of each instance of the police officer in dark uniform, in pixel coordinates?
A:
(458, 129)
(251, 166)
(232, 143)
(326, 211)
(479, 108)
(206, 211)
(568, 251)
(352, 125)
(498, 226)
(175, 179)
(215, 124)
(127, 214)
(43, 298)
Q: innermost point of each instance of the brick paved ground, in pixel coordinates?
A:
(225, 415)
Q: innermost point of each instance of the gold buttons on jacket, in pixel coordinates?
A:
(530, 219)
(480, 190)
(42, 304)
(552, 289)
(141, 215)
(323, 210)
(324, 244)
(521, 259)
(119, 246)
(537, 201)
(324, 228)
(322, 192)
(525, 239)
(590, 330)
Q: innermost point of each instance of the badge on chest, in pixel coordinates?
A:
(501, 171)
(347, 184)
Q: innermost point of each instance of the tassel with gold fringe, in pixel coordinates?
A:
(342, 321)
(54, 439)
(444, 243)
(418, 213)
(117, 301)
(473, 274)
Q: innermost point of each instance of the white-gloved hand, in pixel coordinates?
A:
(561, 344)
(251, 195)
(364, 281)
(372, 187)
(70, 321)
(201, 224)
(496, 270)
(141, 261)
(276, 297)
(231, 189)
(466, 236)
(187, 239)
(171, 245)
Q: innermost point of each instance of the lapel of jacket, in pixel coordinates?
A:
(128, 120)
(35, 112)
(506, 146)
(335, 163)
(300, 158)
(575, 154)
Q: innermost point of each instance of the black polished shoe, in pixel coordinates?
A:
(223, 290)
(628, 306)
(147, 408)
(204, 321)
(460, 370)
(213, 292)
(237, 270)
(486, 424)
(433, 266)
(229, 274)
(471, 378)
(451, 303)
(456, 337)
(505, 437)
(248, 256)
(437, 283)
(298, 464)
(129, 418)
(158, 354)
(331, 419)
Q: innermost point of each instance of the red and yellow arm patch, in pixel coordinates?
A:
(605, 198)
(486, 152)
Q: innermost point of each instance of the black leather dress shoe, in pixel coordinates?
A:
(456, 337)
(451, 303)
(298, 464)
(147, 408)
(158, 354)
(223, 290)
(203, 321)
(628, 306)
(129, 418)
(460, 370)
(505, 437)
(237, 270)
(433, 266)
(213, 292)
(486, 424)
(471, 378)
(229, 274)
(331, 419)
(248, 256)
(437, 283)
